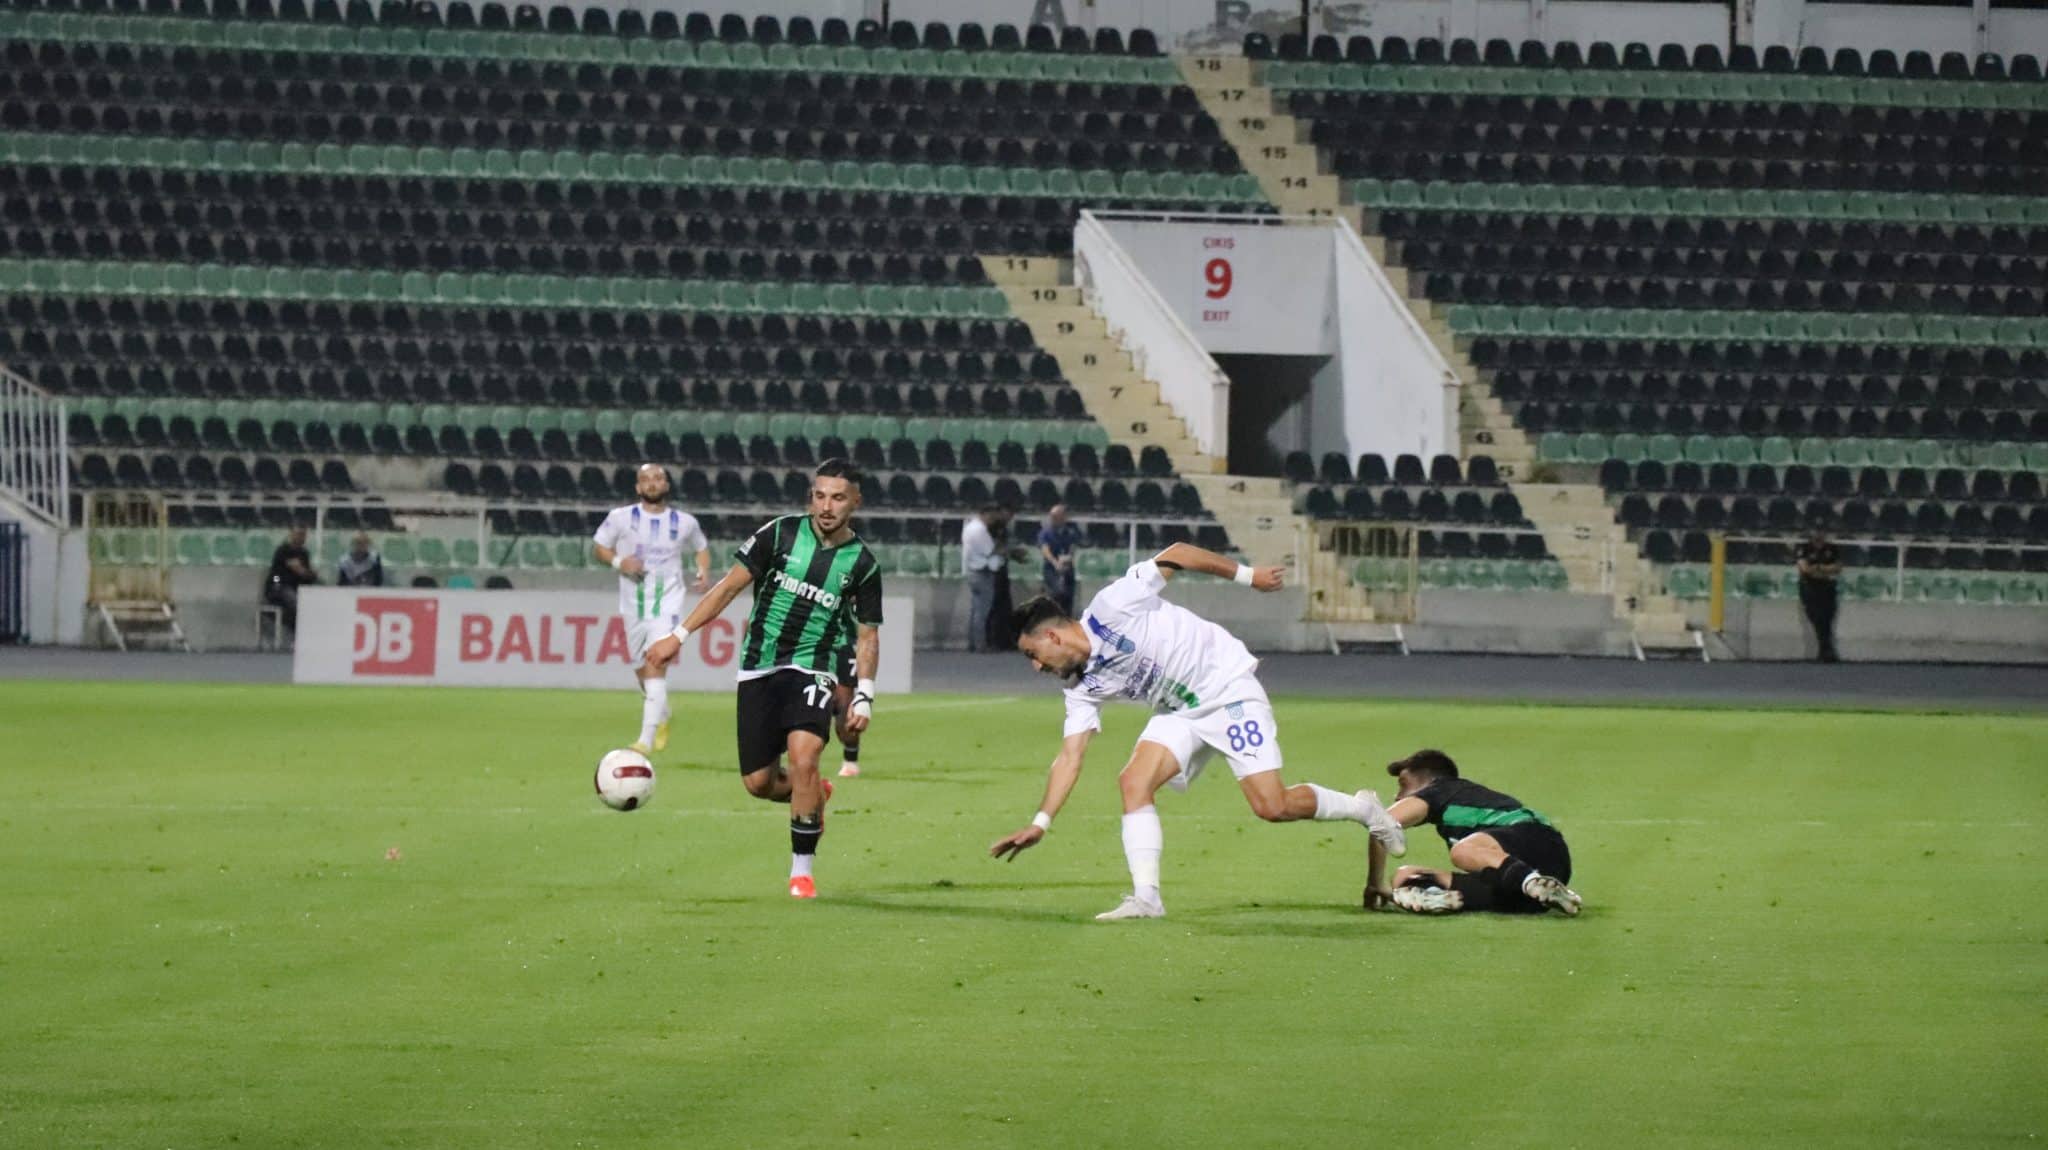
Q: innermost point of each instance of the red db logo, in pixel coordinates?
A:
(395, 636)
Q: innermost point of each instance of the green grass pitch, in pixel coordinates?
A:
(1802, 929)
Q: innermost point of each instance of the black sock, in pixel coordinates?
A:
(804, 833)
(1509, 876)
(852, 750)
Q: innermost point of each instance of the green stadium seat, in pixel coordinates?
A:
(399, 551)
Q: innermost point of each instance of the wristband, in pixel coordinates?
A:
(1244, 575)
(1042, 821)
(863, 699)
(618, 562)
(681, 634)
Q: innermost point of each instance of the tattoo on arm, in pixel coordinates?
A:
(867, 652)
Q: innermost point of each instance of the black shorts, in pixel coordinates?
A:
(1540, 846)
(843, 663)
(772, 706)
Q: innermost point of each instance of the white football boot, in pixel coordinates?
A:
(1383, 826)
(1428, 900)
(1545, 889)
(1133, 907)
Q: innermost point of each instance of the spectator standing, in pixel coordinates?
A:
(1820, 567)
(291, 567)
(1056, 543)
(360, 566)
(980, 558)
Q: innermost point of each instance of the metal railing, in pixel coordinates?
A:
(35, 463)
(429, 515)
(1883, 573)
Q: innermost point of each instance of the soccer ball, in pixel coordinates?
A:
(625, 780)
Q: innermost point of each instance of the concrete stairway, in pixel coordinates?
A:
(1577, 524)
(1255, 512)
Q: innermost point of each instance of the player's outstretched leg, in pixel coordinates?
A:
(1144, 838)
(654, 712)
(1276, 803)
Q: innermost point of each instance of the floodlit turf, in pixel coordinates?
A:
(1802, 929)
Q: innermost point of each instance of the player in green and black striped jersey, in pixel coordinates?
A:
(1508, 857)
(817, 587)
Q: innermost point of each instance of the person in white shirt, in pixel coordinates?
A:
(645, 543)
(980, 558)
(1200, 680)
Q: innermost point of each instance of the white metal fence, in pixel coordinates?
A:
(35, 466)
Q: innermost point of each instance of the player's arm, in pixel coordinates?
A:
(601, 545)
(867, 657)
(1409, 812)
(663, 651)
(703, 569)
(1059, 783)
(1188, 557)
(1377, 893)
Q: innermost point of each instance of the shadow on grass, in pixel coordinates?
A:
(954, 900)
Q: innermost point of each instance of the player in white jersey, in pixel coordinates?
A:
(1200, 680)
(645, 543)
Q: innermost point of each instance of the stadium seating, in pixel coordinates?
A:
(267, 253)
(1748, 296)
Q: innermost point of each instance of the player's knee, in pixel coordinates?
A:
(760, 784)
(1273, 809)
(1469, 855)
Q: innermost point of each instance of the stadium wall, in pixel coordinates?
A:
(217, 607)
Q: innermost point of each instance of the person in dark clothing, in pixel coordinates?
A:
(1056, 543)
(1508, 857)
(361, 566)
(291, 567)
(1820, 567)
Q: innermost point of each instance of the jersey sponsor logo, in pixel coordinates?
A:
(1236, 710)
(803, 590)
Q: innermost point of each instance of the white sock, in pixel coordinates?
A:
(1144, 839)
(1332, 806)
(800, 866)
(653, 708)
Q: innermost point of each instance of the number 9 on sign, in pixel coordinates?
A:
(1218, 276)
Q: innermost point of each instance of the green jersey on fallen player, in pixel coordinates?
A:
(809, 599)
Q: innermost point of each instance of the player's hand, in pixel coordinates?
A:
(860, 712)
(631, 567)
(1016, 844)
(1378, 898)
(663, 651)
(1268, 578)
(701, 584)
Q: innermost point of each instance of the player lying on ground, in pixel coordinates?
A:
(816, 581)
(1131, 644)
(645, 542)
(1509, 858)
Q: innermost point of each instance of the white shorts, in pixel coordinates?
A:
(666, 616)
(640, 633)
(1243, 732)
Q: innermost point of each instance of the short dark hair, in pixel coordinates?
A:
(1427, 763)
(837, 468)
(1036, 612)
